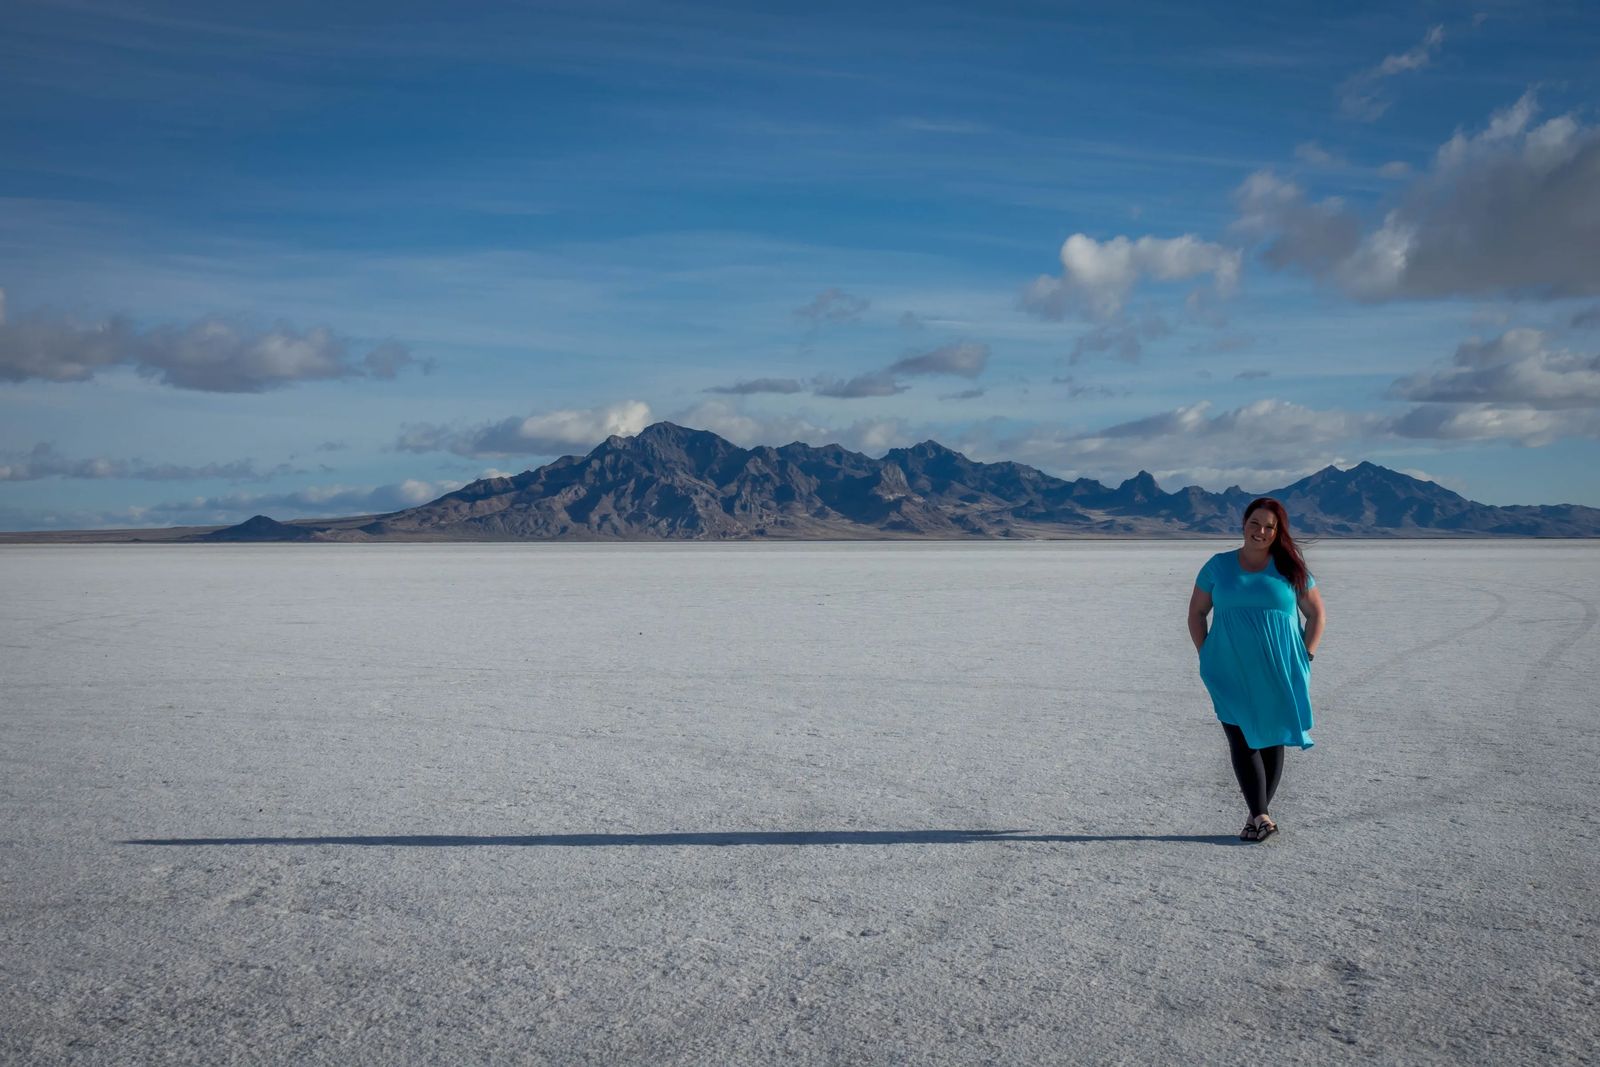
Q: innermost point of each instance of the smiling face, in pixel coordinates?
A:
(1260, 529)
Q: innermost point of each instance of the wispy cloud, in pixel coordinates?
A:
(958, 127)
(1191, 443)
(1363, 96)
(210, 355)
(747, 429)
(877, 383)
(872, 435)
(833, 305)
(43, 461)
(1123, 339)
(1313, 154)
(1076, 390)
(966, 359)
(760, 385)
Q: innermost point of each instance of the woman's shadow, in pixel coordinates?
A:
(747, 837)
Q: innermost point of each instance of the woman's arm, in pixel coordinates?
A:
(1316, 617)
(1199, 608)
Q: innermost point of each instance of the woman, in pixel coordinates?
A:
(1256, 659)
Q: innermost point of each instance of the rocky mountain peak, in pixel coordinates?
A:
(1141, 487)
(670, 482)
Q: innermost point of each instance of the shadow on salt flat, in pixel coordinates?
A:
(774, 837)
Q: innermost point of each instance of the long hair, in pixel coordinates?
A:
(1285, 553)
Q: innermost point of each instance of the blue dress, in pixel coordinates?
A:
(1254, 661)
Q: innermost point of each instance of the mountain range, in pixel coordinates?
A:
(669, 482)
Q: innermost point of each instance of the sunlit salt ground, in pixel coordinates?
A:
(783, 803)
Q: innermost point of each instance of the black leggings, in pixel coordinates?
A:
(1258, 769)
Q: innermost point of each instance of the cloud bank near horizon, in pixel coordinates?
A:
(209, 355)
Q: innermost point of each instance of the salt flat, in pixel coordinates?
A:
(932, 803)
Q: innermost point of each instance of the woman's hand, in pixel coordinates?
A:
(1199, 608)
(1316, 618)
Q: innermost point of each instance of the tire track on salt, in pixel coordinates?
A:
(1536, 674)
(1357, 984)
(1383, 666)
(1532, 682)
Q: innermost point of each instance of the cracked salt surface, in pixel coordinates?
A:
(933, 803)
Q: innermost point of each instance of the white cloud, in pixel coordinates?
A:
(211, 354)
(1361, 97)
(43, 461)
(876, 436)
(966, 359)
(1098, 277)
(1511, 211)
(1516, 387)
(1315, 237)
(727, 420)
(1519, 367)
(547, 434)
(413, 492)
(1492, 422)
(559, 431)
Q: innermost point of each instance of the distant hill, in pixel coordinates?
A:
(673, 483)
(259, 528)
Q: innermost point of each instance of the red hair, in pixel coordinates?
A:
(1285, 553)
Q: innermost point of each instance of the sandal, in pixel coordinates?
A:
(1249, 832)
(1265, 829)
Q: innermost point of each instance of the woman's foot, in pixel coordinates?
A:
(1249, 831)
(1264, 828)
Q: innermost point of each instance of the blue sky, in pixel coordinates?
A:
(318, 259)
